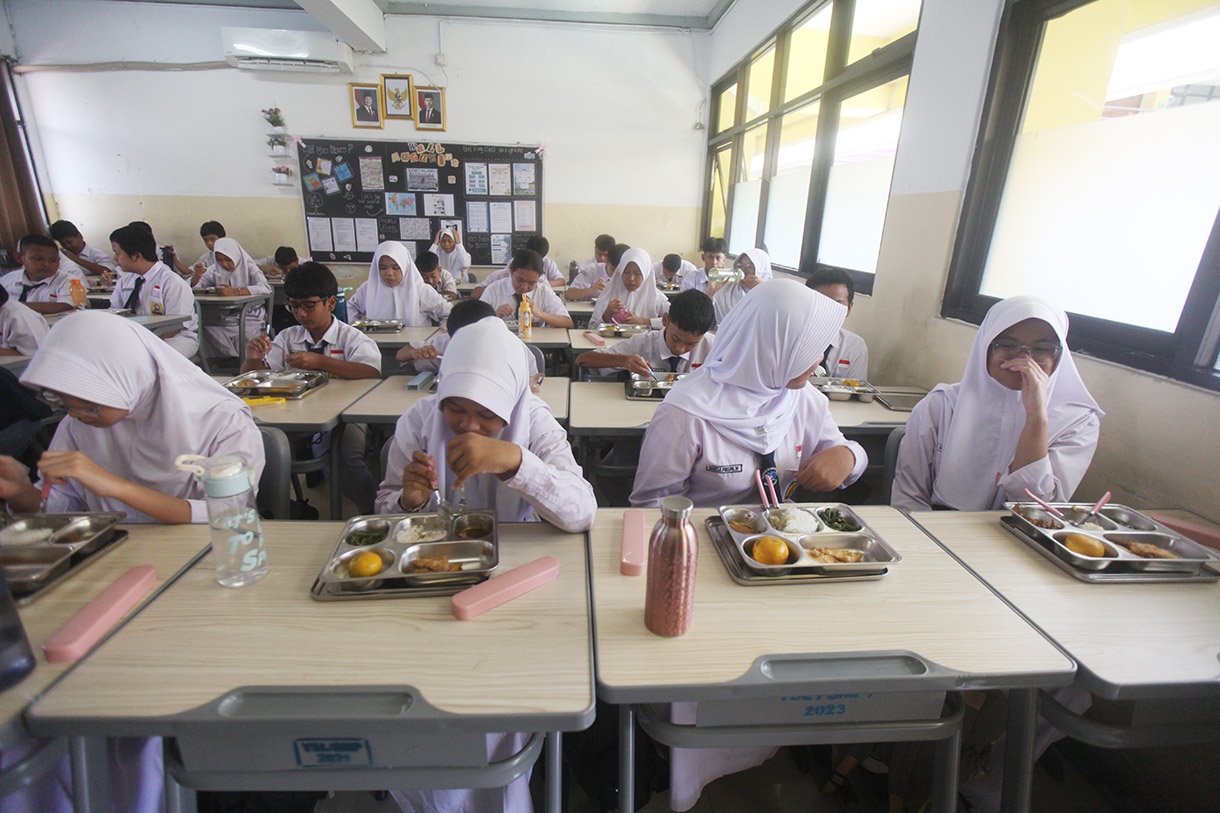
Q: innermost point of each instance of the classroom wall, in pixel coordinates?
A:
(615, 109)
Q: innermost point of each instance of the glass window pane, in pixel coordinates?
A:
(1115, 169)
(877, 23)
(747, 191)
(726, 108)
(859, 187)
(719, 191)
(788, 192)
(807, 55)
(758, 94)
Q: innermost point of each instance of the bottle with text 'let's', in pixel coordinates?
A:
(237, 532)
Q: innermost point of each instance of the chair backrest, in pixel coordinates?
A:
(538, 357)
(274, 487)
(385, 455)
(891, 462)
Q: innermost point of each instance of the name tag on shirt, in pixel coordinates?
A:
(734, 468)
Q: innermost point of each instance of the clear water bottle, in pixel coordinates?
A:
(673, 554)
(237, 532)
(725, 275)
(16, 656)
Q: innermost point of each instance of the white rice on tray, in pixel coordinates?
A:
(793, 521)
(417, 533)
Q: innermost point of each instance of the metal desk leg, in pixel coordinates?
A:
(1019, 750)
(554, 771)
(178, 799)
(944, 772)
(241, 329)
(90, 782)
(336, 463)
(203, 352)
(626, 757)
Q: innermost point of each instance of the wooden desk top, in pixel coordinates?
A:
(580, 342)
(217, 299)
(1131, 640)
(386, 402)
(15, 364)
(580, 306)
(852, 414)
(402, 337)
(157, 323)
(317, 411)
(199, 641)
(168, 548)
(598, 406)
(927, 605)
(548, 337)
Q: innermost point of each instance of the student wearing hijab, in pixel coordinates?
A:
(234, 273)
(134, 404)
(632, 296)
(21, 329)
(395, 290)
(453, 255)
(1020, 418)
(755, 264)
(485, 429)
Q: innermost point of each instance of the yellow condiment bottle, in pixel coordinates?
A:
(525, 319)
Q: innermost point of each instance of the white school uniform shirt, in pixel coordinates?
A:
(74, 270)
(647, 301)
(21, 328)
(448, 283)
(588, 275)
(340, 341)
(542, 298)
(222, 338)
(650, 345)
(687, 267)
(696, 280)
(847, 357)
(208, 258)
(456, 262)
(441, 340)
(55, 288)
(94, 256)
(164, 292)
(549, 269)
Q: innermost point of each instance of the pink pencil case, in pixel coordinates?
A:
(87, 627)
(634, 549)
(477, 600)
(595, 339)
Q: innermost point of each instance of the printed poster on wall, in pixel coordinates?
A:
(523, 213)
(401, 204)
(438, 205)
(370, 173)
(345, 233)
(319, 234)
(501, 215)
(523, 179)
(414, 228)
(501, 248)
(366, 234)
(422, 180)
(476, 216)
(499, 179)
(476, 179)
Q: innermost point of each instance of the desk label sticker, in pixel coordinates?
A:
(345, 751)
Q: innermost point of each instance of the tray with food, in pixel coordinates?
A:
(648, 388)
(37, 550)
(409, 555)
(379, 325)
(207, 290)
(844, 389)
(740, 572)
(669, 287)
(287, 383)
(808, 537)
(611, 330)
(1117, 538)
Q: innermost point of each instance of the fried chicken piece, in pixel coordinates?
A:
(432, 564)
(1150, 551)
(830, 556)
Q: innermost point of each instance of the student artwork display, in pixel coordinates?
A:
(359, 193)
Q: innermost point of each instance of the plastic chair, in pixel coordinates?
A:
(539, 359)
(891, 462)
(274, 487)
(385, 454)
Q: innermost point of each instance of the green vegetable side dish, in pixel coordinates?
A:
(361, 538)
(835, 520)
(1124, 524)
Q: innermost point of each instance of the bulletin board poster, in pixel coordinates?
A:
(357, 194)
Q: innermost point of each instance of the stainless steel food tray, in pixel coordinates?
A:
(877, 553)
(379, 325)
(646, 388)
(836, 390)
(735, 564)
(900, 399)
(1118, 527)
(74, 539)
(288, 383)
(1026, 534)
(611, 330)
(477, 555)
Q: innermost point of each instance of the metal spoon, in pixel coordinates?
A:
(461, 506)
(46, 492)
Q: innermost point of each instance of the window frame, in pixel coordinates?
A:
(1189, 353)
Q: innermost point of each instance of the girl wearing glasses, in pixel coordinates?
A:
(1020, 418)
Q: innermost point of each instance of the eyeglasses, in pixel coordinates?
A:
(305, 307)
(1043, 352)
(56, 401)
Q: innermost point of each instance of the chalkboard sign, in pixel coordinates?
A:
(358, 193)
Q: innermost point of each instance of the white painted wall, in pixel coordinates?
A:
(740, 31)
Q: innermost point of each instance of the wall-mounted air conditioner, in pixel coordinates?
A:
(277, 49)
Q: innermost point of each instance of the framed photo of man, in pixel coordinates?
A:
(366, 104)
(429, 108)
(399, 95)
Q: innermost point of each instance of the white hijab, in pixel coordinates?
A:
(981, 438)
(773, 336)
(762, 262)
(645, 300)
(405, 299)
(483, 363)
(246, 272)
(173, 406)
(457, 261)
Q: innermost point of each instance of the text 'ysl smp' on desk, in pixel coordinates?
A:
(254, 683)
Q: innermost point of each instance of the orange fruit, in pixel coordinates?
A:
(770, 550)
(366, 564)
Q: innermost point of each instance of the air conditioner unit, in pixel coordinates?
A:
(277, 49)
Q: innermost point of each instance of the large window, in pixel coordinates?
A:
(1097, 184)
(801, 161)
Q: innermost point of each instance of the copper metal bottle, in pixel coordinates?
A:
(673, 553)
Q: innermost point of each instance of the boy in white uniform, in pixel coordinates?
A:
(21, 329)
(681, 345)
(96, 264)
(671, 269)
(713, 256)
(39, 283)
(210, 232)
(429, 266)
(505, 295)
(427, 355)
(149, 287)
(280, 263)
(540, 244)
(847, 356)
(592, 274)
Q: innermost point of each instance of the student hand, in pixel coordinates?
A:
(632, 319)
(1034, 384)
(305, 361)
(228, 290)
(14, 479)
(536, 383)
(471, 454)
(505, 311)
(60, 467)
(107, 277)
(637, 364)
(826, 470)
(418, 479)
(612, 307)
(600, 285)
(258, 347)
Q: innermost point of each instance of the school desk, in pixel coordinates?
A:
(403, 337)
(168, 548)
(926, 628)
(1152, 643)
(14, 364)
(213, 309)
(581, 344)
(581, 311)
(318, 411)
(263, 687)
(386, 403)
(159, 324)
(549, 338)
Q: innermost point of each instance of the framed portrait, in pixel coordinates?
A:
(399, 95)
(429, 108)
(366, 104)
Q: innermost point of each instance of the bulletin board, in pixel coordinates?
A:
(357, 194)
